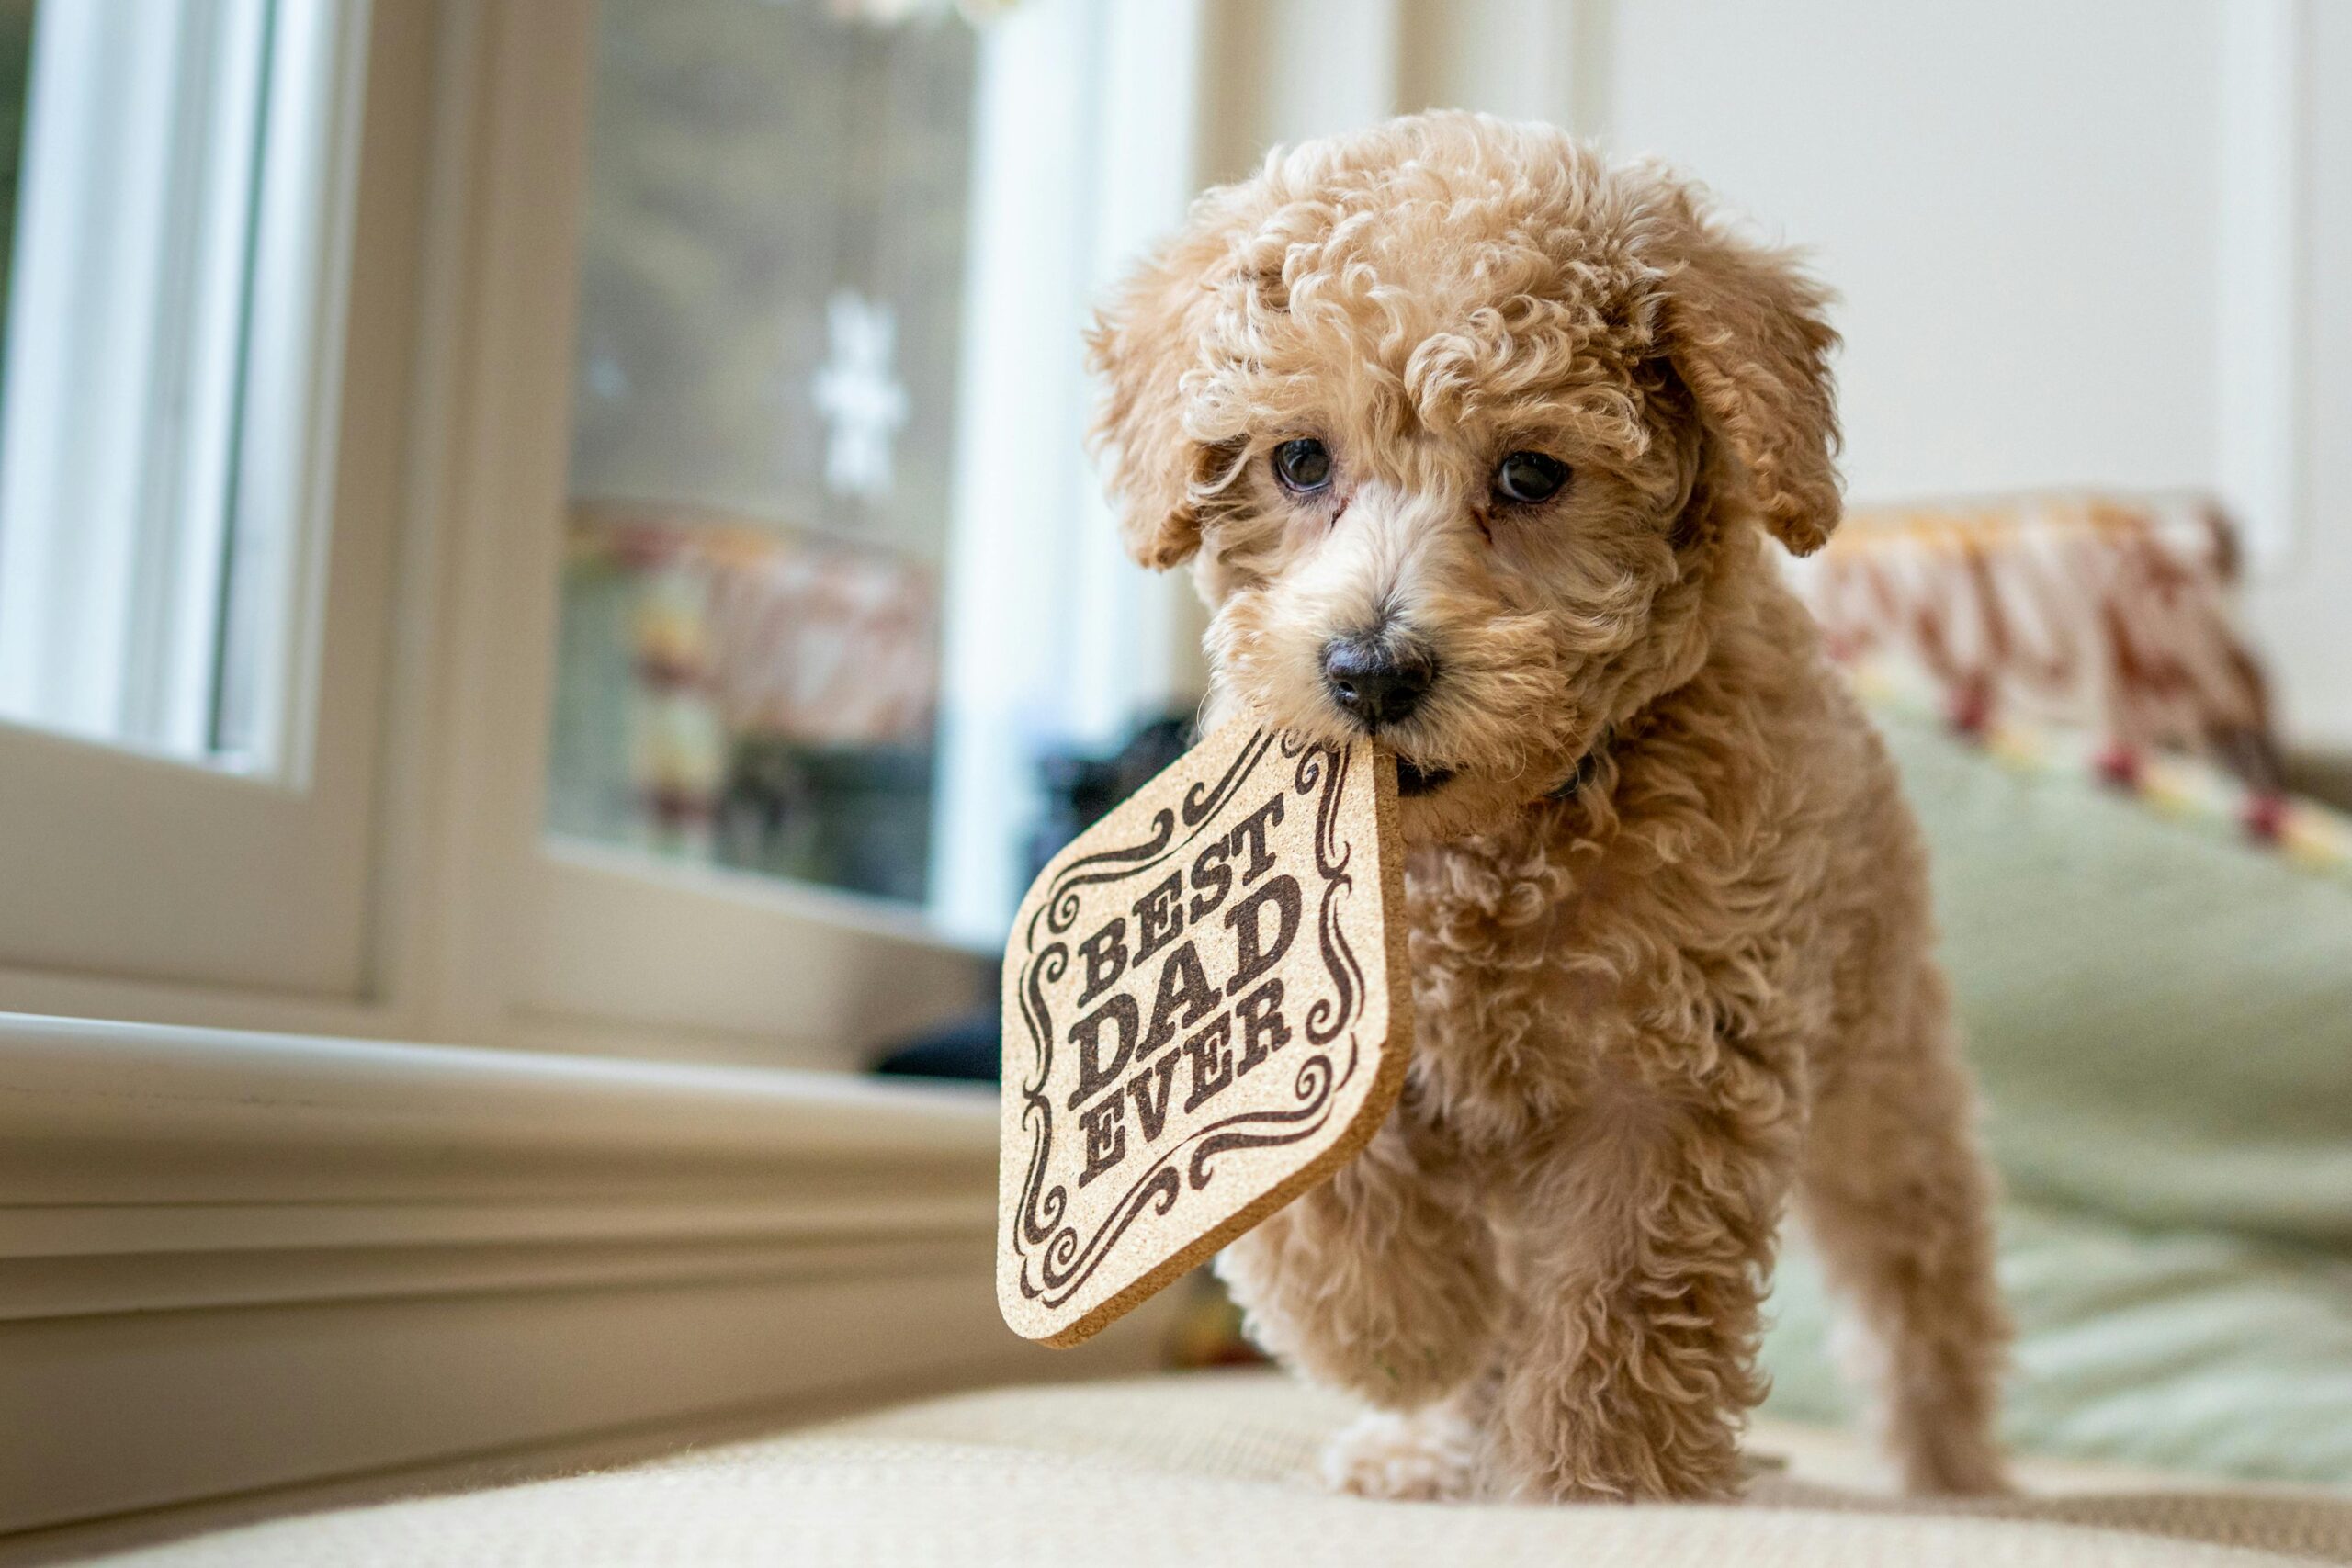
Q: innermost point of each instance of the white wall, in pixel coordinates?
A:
(2080, 242)
(2023, 236)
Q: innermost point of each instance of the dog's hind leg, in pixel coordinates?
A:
(1899, 1200)
(1374, 1282)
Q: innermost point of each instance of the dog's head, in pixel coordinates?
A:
(1461, 425)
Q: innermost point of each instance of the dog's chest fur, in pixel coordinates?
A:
(1647, 942)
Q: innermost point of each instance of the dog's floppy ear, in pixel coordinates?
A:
(1146, 334)
(1746, 330)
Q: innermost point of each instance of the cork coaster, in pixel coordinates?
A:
(1205, 1014)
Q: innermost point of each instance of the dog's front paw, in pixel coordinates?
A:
(1424, 1457)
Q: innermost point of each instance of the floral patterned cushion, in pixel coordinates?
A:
(2111, 615)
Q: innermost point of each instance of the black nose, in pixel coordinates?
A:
(1378, 680)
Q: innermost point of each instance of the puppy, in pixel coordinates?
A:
(1479, 445)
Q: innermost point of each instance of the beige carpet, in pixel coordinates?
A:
(1219, 1468)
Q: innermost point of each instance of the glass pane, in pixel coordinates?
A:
(771, 275)
(165, 220)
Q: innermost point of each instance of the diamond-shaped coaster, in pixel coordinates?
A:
(1205, 1014)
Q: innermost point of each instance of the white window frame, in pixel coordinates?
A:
(404, 887)
(128, 879)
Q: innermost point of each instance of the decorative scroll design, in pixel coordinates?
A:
(1040, 1212)
(1316, 1083)
(1202, 800)
(1056, 1261)
(1330, 1015)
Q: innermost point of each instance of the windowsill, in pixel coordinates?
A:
(233, 1260)
(78, 1093)
(155, 1168)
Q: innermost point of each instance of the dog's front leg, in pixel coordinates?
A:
(1374, 1282)
(1640, 1247)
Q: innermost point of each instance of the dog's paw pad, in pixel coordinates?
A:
(1424, 1457)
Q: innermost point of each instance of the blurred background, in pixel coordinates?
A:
(833, 588)
(568, 530)
(2080, 248)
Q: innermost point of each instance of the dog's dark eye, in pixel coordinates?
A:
(1303, 465)
(1530, 477)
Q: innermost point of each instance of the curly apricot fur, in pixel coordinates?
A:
(1654, 1007)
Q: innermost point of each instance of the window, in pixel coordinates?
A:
(201, 422)
(834, 569)
(781, 368)
(165, 280)
(574, 530)
(773, 252)
(832, 539)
